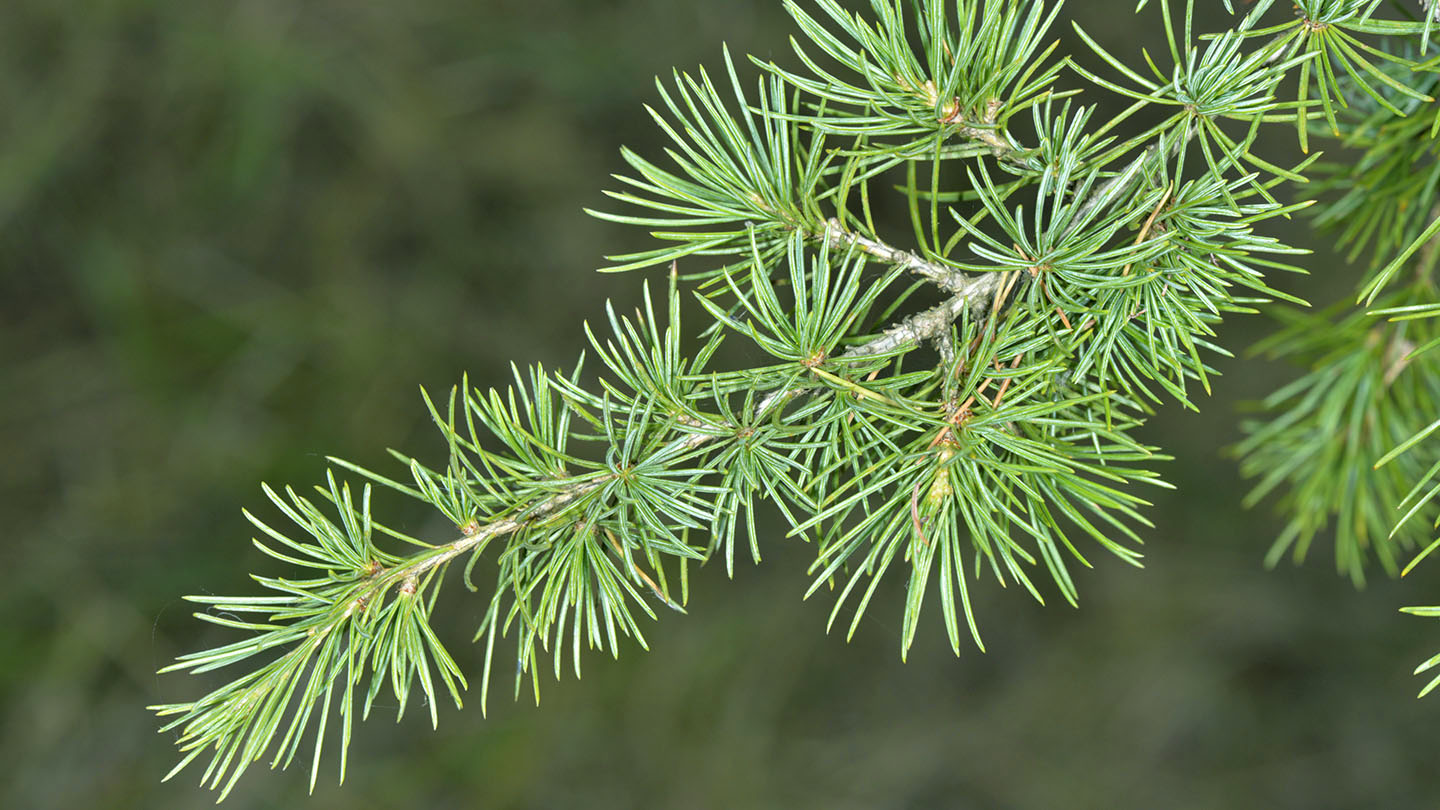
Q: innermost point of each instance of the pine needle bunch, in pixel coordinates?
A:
(1351, 440)
(1331, 426)
(943, 403)
(1342, 441)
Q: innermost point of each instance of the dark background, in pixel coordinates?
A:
(235, 237)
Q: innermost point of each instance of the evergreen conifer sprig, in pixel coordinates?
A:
(1372, 384)
(944, 406)
(1344, 415)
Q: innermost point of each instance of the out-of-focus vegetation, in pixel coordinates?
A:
(235, 237)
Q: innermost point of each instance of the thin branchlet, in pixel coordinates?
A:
(934, 322)
(944, 277)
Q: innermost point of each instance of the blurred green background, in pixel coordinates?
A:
(236, 236)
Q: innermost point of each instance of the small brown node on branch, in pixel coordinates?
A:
(1034, 269)
(814, 360)
(470, 527)
(957, 417)
(407, 588)
(373, 567)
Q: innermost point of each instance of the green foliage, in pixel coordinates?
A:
(955, 411)
(367, 610)
(1344, 415)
